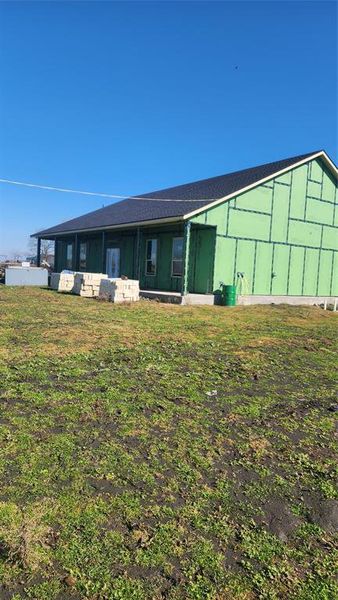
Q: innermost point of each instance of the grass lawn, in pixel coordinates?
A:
(164, 452)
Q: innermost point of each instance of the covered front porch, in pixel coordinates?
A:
(176, 258)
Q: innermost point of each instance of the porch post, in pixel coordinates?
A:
(75, 259)
(186, 251)
(38, 253)
(137, 261)
(56, 250)
(103, 254)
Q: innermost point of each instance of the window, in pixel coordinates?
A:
(83, 256)
(69, 256)
(151, 257)
(113, 262)
(177, 257)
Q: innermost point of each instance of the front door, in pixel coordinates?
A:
(113, 262)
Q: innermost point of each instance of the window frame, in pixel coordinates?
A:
(71, 259)
(85, 244)
(149, 259)
(181, 260)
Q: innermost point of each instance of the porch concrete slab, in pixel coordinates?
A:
(168, 297)
(177, 298)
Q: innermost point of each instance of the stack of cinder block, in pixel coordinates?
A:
(54, 281)
(120, 290)
(62, 282)
(88, 284)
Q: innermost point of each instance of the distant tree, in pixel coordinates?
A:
(47, 248)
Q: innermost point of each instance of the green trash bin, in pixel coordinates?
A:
(229, 295)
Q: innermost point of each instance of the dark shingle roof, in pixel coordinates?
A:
(183, 199)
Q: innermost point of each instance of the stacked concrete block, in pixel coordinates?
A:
(54, 281)
(62, 282)
(93, 285)
(120, 290)
(105, 292)
(88, 284)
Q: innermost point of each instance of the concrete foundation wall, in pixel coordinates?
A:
(211, 299)
(293, 300)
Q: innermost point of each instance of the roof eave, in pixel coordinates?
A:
(48, 235)
(322, 154)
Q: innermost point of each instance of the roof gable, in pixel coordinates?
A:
(301, 160)
(180, 202)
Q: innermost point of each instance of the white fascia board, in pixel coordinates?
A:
(109, 227)
(320, 154)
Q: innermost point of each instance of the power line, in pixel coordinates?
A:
(100, 194)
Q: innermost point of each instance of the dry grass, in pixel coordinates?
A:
(156, 451)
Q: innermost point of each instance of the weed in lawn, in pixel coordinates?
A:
(24, 534)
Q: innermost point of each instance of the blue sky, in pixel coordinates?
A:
(129, 97)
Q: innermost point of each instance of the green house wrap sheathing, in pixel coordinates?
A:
(282, 235)
(274, 237)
